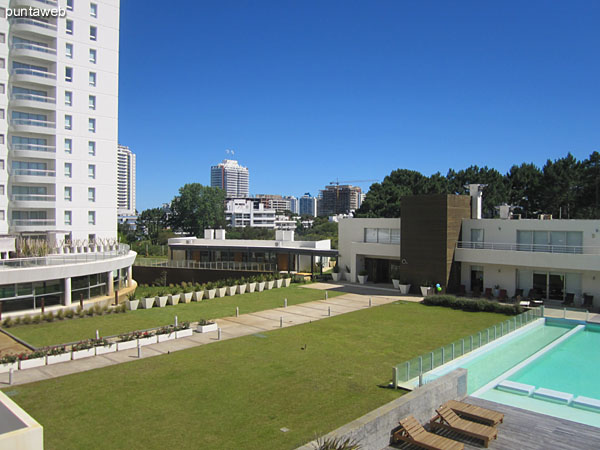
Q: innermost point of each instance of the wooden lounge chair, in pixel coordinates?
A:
(492, 418)
(503, 296)
(412, 431)
(447, 419)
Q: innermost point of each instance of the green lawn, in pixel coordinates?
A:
(60, 332)
(239, 393)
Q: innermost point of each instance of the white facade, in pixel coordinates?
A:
(553, 257)
(59, 120)
(231, 177)
(125, 181)
(293, 204)
(307, 205)
(284, 223)
(247, 213)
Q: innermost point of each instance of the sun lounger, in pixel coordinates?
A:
(469, 411)
(447, 419)
(412, 431)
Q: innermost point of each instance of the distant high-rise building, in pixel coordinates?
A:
(339, 199)
(231, 177)
(125, 181)
(307, 205)
(293, 204)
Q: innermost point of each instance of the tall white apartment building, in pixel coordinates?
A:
(59, 118)
(293, 204)
(125, 181)
(307, 205)
(231, 177)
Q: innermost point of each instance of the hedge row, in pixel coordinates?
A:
(469, 304)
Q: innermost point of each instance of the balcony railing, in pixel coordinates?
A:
(212, 265)
(34, 172)
(34, 47)
(33, 198)
(542, 248)
(33, 98)
(37, 23)
(33, 122)
(36, 73)
(33, 222)
(33, 148)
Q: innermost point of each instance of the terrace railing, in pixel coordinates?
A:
(213, 265)
(426, 362)
(571, 249)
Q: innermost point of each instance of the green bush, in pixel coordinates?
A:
(8, 322)
(26, 320)
(468, 304)
(36, 319)
(49, 317)
(69, 313)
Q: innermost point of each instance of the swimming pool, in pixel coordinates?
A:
(550, 367)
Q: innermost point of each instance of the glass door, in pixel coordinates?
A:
(556, 286)
(540, 285)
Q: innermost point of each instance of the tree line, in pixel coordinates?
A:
(566, 187)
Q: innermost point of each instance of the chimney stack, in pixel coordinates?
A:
(476, 192)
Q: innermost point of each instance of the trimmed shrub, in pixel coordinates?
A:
(8, 322)
(468, 304)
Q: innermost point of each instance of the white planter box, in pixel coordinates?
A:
(348, 276)
(101, 350)
(30, 363)
(335, 276)
(174, 299)
(362, 279)
(221, 292)
(184, 333)
(207, 328)
(166, 337)
(147, 302)
(250, 287)
(278, 283)
(198, 295)
(132, 305)
(425, 290)
(269, 284)
(6, 367)
(148, 340)
(210, 293)
(186, 297)
(260, 286)
(161, 301)
(126, 345)
(231, 290)
(404, 288)
(287, 282)
(80, 354)
(242, 289)
(55, 359)
(396, 283)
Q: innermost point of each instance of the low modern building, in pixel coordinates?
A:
(283, 254)
(285, 223)
(248, 213)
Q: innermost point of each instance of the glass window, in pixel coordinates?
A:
(68, 218)
(395, 236)
(383, 236)
(68, 98)
(69, 25)
(575, 241)
(68, 145)
(70, 5)
(69, 74)
(540, 241)
(92, 125)
(92, 78)
(93, 10)
(92, 101)
(68, 167)
(92, 148)
(93, 33)
(91, 217)
(68, 193)
(93, 55)
(68, 122)
(370, 234)
(69, 50)
(91, 171)
(92, 194)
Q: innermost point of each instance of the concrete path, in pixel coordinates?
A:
(231, 327)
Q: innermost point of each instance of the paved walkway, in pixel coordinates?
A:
(231, 327)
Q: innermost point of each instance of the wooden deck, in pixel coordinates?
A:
(527, 430)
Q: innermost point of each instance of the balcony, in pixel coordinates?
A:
(33, 176)
(33, 76)
(36, 27)
(32, 224)
(41, 4)
(569, 257)
(32, 126)
(32, 201)
(32, 151)
(32, 101)
(37, 52)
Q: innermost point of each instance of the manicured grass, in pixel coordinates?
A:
(71, 330)
(239, 393)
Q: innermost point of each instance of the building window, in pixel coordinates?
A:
(68, 193)
(91, 217)
(68, 145)
(93, 10)
(2, 63)
(91, 171)
(2, 38)
(1, 164)
(92, 194)
(93, 55)
(2, 215)
(92, 125)
(69, 26)
(1, 189)
(68, 122)
(93, 33)
(69, 74)
(2, 113)
(92, 148)
(70, 5)
(382, 235)
(2, 12)
(2, 88)
(69, 50)
(68, 172)
(92, 102)
(68, 98)
(68, 218)
(92, 78)
(1, 139)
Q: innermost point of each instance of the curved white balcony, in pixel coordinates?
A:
(38, 52)
(32, 224)
(32, 200)
(41, 4)
(31, 26)
(33, 151)
(32, 101)
(33, 176)
(33, 76)
(33, 126)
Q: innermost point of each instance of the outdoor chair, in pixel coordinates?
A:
(447, 419)
(469, 411)
(413, 432)
(488, 293)
(588, 301)
(503, 295)
(569, 299)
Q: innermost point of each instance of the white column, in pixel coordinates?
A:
(67, 289)
(110, 283)
(130, 276)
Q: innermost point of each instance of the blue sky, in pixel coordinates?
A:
(306, 92)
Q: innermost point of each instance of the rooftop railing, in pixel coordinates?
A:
(572, 249)
(212, 265)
